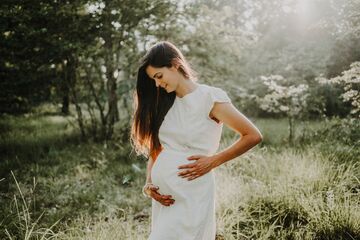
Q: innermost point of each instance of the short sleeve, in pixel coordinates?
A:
(216, 95)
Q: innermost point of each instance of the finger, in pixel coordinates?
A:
(185, 172)
(169, 201)
(188, 172)
(155, 191)
(159, 199)
(166, 196)
(195, 175)
(192, 178)
(156, 196)
(187, 166)
(154, 187)
(166, 203)
(163, 197)
(194, 157)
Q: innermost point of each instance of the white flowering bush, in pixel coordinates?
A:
(283, 97)
(350, 80)
(290, 100)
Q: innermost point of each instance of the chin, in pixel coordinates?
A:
(167, 89)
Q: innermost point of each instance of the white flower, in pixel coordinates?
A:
(284, 108)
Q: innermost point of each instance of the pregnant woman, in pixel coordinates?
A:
(177, 124)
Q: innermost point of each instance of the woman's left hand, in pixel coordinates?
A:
(201, 166)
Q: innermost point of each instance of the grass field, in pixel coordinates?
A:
(53, 186)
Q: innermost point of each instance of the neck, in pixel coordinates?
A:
(185, 86)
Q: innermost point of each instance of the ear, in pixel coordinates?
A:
(175, 64)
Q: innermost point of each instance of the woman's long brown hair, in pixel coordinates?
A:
(152, 103)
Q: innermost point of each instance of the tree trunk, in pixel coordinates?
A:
(113, 113)
(64, 90)
(70, 70)
(291, 129)
(65, 103)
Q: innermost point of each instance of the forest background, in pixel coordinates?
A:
(68, 72)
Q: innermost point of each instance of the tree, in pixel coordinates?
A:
(349, 80)
(106, 71)
(283, 97)
(36, 37)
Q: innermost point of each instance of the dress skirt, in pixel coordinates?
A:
(192, 216)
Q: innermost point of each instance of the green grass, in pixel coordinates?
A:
(59, 176)
(54, 186)
(276, 131)
(286, 195)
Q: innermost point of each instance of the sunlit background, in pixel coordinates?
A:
(68, 72)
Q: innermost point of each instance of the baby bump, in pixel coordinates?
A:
(164, 174)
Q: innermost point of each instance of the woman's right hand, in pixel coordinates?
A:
(165, 200)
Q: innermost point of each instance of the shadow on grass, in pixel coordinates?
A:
(74, 177)
(33, 139)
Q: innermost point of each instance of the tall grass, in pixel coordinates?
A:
(121, 223)
(73, 178)
(25, 226)
(288, 195)
(93, 191)
(262, 195)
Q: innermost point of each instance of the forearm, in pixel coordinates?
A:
(241, 146)
(150, 164)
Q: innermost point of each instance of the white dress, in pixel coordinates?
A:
(187, 130)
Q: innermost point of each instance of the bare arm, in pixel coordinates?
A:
(231, 117)
(165, 200)
(150, 164)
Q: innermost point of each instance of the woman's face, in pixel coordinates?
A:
(167, 78)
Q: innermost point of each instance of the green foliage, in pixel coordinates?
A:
(345, 131)
(55, 46)
(350, 81)
(342, 134)
(35, 37)
(324, 100)
(102, 75)
(268, 44)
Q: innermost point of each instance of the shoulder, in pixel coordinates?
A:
(215, 94)
(207, 87)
